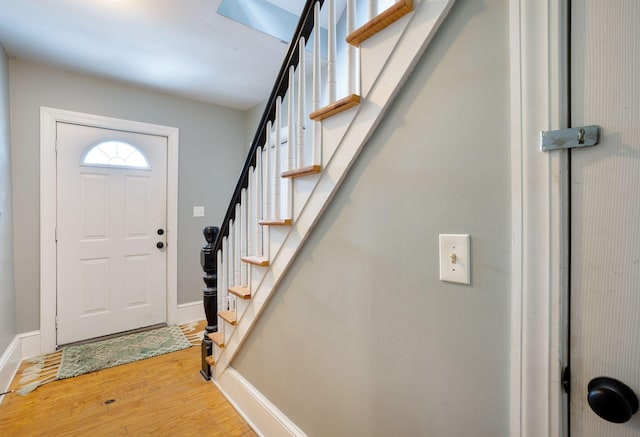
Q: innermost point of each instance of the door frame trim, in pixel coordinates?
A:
(539, 90)
(49, 117)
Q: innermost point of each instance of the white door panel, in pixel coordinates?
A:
(605, 208)
(111, 277)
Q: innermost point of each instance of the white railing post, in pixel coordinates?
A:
(331, 59)
(276, 162)
(259, 184)
(251, 212)
(291, 144)
(373, 9)
(352, 67)
(267, 192)
(236, 246)
(220, 284)
(225, 272)
(316, 143)
(244, 229)
(302, 106)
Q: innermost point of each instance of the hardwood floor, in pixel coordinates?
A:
(161, 396)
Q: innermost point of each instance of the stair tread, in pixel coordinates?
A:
(228, 316)
(217, 338)
(241, 292)
(256, 260)
(210, 360)
(310, 169)
(276, 222)
(335, 107)
(380, 22)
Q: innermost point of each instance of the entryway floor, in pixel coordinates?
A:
(160, 396)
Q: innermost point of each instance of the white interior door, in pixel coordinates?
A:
(605, 214)
(111, 220)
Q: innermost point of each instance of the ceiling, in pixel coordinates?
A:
(180, 47)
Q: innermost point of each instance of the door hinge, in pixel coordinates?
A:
(56, 322)
(56, 235)
(566, 380)
(570, 138)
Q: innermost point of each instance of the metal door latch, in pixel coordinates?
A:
(569, 138)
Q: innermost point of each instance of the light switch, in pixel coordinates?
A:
(455, 262)
(198, 211)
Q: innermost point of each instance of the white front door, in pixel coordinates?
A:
(111, 231)
(605, 217)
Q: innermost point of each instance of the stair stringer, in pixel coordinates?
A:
(362, 121)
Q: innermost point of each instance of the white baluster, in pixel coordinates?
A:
(220, 283)
(291, 144)
(232, 254)
(277, 201)
(230, 262)
(225, 285)
(251, 212)
(302, 105)
(373, 9)
(267, 192)
(243, 237)
(266, 182)
(331, 61)
(259, 184)
(316, 145)
(352, 68)
(237, 238)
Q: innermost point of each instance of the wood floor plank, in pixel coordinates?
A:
(159, 396)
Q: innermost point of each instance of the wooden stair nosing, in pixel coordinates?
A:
(241, 292)
(229, 316)
(276, 222)
(210, 360)
(256, 260)
(217, 338)
(335, 107)
(380, 22)
(310, 169)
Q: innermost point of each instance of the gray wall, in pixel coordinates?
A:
(212, 150)
(251, 120)
(7, 289)
(361, 338)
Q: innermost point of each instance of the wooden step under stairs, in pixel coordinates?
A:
(300, 159)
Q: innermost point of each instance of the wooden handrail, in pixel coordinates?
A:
(304, 28)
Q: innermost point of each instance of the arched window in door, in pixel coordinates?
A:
(115, 154)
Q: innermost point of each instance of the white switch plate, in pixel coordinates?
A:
(198, 211)
(455, 262)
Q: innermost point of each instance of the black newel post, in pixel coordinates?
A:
(210, 295)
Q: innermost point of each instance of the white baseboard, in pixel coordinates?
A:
(260, 414)
(187, 312)
(9, 363)
(30, 344)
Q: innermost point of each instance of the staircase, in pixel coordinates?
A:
(320, 114)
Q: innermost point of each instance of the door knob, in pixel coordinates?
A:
(160, 231)
(611, 399)
(159, 244)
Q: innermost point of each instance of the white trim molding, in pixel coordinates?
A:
(48, 119)
(261, 415)
(30, 344)
(188, 312)
(9, 363)
(539, 60)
